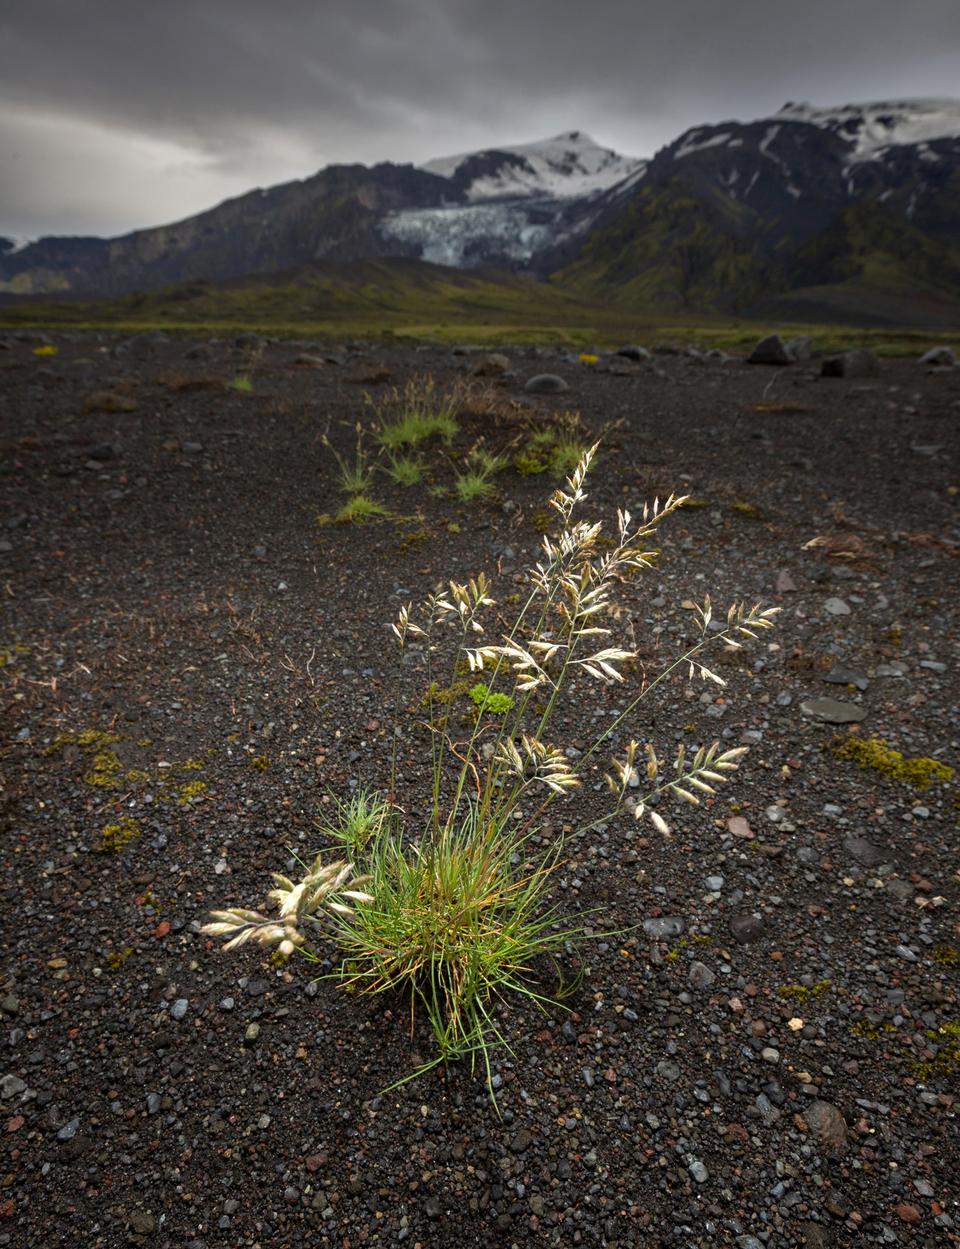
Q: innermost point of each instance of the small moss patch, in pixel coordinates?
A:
(104, 770)
(804, 993)
(116, 837)
(875, 754)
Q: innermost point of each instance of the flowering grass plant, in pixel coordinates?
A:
(455, 909)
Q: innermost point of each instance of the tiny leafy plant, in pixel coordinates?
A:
(242, 384)
(450, 902)
(498, 704)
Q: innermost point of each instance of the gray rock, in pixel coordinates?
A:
(69, 1130)
(939, 356)
(826, 1123)
(861, 363)
(670, 1071)
(714, 883)
(836, 607)
(666, 926)
(770, 350)
(637, 354)
(864, 851)
(179, 1008)
(800, 348)
(700, 976)
(841, 676)
(698, 1171)
(831, 711)
(546, 384)
(10, 1087)
(747, 928)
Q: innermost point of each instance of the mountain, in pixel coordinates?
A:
(819, 208)
(848, 212)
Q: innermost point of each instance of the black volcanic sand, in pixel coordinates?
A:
(165, 581)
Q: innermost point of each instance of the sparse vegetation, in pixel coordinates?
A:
(415, 414)
(875, 754)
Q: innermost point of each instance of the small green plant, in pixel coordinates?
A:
(552, 450)
(356, 820)
(416, 414)
(452, 905)
(484, 700)
(242, 384)
(405, 470)
(359, 509)
(357, 477)
(475, 480)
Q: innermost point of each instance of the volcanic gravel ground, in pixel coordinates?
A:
(765, 1045)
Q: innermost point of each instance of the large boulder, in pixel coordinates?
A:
(861, 363)
(770, 350)
(546, 384)
(940, 356)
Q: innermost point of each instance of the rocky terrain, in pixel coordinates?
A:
(764, 1048)
(812, 214)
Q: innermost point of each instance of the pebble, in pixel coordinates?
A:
(10, 1087)
(700, 976)
(698, 1171)
(832, 711)
(252, 1033)
(179, 1008)
(770, 1055)
(666, 926)
(69, 1130)
(836, 607)
(714, 883)
(747, 928)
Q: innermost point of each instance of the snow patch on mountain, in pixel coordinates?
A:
(466, 235)
(568, 166)
(870, 129)
(695, 144)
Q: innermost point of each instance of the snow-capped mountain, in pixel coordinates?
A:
(726, 216)
(568, 166)
(511, 204)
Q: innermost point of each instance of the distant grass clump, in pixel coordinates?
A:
(359, 509)
(415, 414)
(475, 480)
(549, 450)
(241, 384)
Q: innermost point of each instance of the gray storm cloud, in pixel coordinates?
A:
(119, 115)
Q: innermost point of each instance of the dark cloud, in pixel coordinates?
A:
(116, 114)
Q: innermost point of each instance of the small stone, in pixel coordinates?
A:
(226, 1004)
(832, 711)
(826, 1123)
(842, 676)
(836, 607)
(864, 851)
(252, 1033)
(191, 448)
(666, 926)
(700, 976)
(785, 583)
(698, 1171)
(522, 1141)
(714, 883)
(739, 827)
(179, 1008)
(637, 354)
(770, 1055)
(747, 928)
(546, 384)
(69, 1130)
(907, 1212)
(11, 1086)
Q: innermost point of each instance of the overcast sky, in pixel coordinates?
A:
(116, 114)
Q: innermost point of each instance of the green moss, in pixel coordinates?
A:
(945, 955)
(946, 1062)
(871, 1031)
(105, 770)
(88, 740)
(186, 793)
(260, 762)
(485, 701)
(875, 754)
(144, 742)
(136, 775)
(117, 958)
(743, 508)
(804, 993)
(116, 837)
